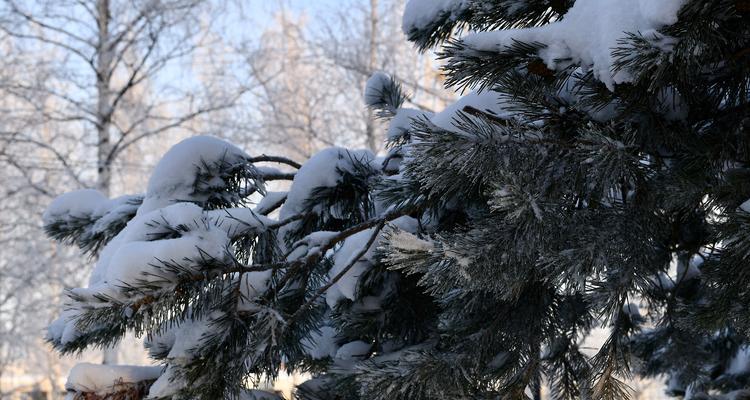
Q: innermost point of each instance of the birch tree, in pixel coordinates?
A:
(307, 65)
(107, 50)
(84, 83)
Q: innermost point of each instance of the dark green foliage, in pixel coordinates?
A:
(226, 182)
(483, 15)
(589, 197)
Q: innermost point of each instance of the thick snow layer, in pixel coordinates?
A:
(77, 204)
(346, 287)
(174, 175)
(113, 211)
(353, 350)
(489, 102)
(98, 378)
(321, 344)
(252, 285)
(316, 240)
(138, 260)
(134, 256)
(420, 13)
(179, 341)
(188, 335)
(740, 364)
(237, 221)
(131, 252)
(402, 121)
(321, 170)
(80, 208)
(587, 34)
(375, 86)
(167, 384)
(269, 201)
(62, 329)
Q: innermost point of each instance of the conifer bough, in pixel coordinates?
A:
(595, 175)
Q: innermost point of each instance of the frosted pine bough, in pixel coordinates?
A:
(594, 176)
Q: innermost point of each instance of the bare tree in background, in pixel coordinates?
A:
(372, 64)
(107, 50)
(83, 83)
(307, 72)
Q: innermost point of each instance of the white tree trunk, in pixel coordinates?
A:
(104, 60)
(103, 119)
(372, 143)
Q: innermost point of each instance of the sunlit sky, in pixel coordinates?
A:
(259, 13)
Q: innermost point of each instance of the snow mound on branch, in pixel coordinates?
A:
(167, 384)
(187, 234)
(375, 86)
(268, 201)
(321, 344)
(77, 204)
(114, 263)
(131, 257)
(418, 14)
(174, 176)
(98, 378)
(321, 170)
(62, 329)
(402, 121)
(346, 287)
(587, 34)
(77, 209)
(252, 285)
(189, 335)
(489, 102)
(353, 350)
(181, 340)
(740, 364)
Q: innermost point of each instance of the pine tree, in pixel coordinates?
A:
(594, 176)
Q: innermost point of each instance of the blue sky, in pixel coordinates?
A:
(260, 12)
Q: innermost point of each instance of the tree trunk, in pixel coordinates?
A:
(372, 65)
(104, 58)
(104, 93)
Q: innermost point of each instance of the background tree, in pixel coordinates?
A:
(308, 65)
(108, 51)
(84, 86)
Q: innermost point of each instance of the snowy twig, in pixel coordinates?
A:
(272, 207)
(340, 275)
(341, 236)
